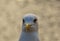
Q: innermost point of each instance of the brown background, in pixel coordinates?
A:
(12, 11)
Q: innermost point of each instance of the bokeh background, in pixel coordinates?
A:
(12, 11)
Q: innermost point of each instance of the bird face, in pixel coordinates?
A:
(30, 23)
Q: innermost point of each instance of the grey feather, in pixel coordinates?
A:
(30, 35)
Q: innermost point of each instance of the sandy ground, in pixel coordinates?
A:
(12, 11)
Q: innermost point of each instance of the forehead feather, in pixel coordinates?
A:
(30, 16)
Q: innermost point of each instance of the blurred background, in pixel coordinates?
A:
(12, 11)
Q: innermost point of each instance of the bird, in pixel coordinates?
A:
(29, 28)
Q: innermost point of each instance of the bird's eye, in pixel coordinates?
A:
(35, 20)
(23, 21)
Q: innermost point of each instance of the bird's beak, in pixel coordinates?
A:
(28, 27)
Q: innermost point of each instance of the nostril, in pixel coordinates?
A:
(30, 25)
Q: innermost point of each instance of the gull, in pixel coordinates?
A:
(29, 28)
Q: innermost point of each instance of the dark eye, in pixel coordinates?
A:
(35, 20)
(23, 21)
